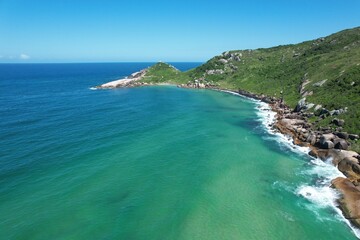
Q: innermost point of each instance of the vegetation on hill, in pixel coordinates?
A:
(164, 73)
(325, 71)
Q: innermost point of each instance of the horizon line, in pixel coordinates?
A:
(101, 62)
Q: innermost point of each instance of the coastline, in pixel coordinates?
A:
(293, 125)
(331, 190)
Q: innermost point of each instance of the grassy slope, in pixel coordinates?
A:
(335, 58)
(163, 72)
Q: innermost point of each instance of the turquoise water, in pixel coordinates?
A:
(148, 163)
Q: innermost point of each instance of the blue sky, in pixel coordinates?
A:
(135, 30)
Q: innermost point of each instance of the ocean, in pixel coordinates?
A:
(156, 162)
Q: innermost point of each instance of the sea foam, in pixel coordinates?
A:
(319, 194)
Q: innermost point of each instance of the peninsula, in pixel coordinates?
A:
(314, 87)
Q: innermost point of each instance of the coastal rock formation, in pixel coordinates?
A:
(131, 80)
(325, 145)
(350, 199)
(198, 83)
(301, 104)
(340, 144)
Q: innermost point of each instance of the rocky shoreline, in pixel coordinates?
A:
(130, 81)
(324, 143)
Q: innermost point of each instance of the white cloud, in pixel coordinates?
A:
(24, 56)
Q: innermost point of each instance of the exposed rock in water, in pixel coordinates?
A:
(350, 199)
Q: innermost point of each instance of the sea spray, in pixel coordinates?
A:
(319, 194)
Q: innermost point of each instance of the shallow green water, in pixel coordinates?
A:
(155, 163)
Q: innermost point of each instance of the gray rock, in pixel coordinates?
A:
(309, 106)
(214, 71)
(353, 136)
(338, 122)
(342, 135)
(324, 111)
(306, 93)
(338, 111)
(327, 145)
(347, 165)
(226, 54)
(317, 107)
(340, 144)
(327, 137)
(301, 104)
(319, 84)
(223, 60)
(237, 58)
(311, 139)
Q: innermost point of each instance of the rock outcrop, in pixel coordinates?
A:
(301, 105)
(131, 80)
(350, 199)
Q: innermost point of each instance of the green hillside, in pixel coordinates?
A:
(326, 71)
(165, 73)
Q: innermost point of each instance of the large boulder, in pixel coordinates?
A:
(353, 136)
(327, 145)
(350, 199)
(338, 122)
(300, 105)
(309, 106)
(327, 137)
(311, 139)
(350, 167)
(338, 111)
(317, 107)
(340, 143)
(342, 135)
(224, 61)
(326, 141)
